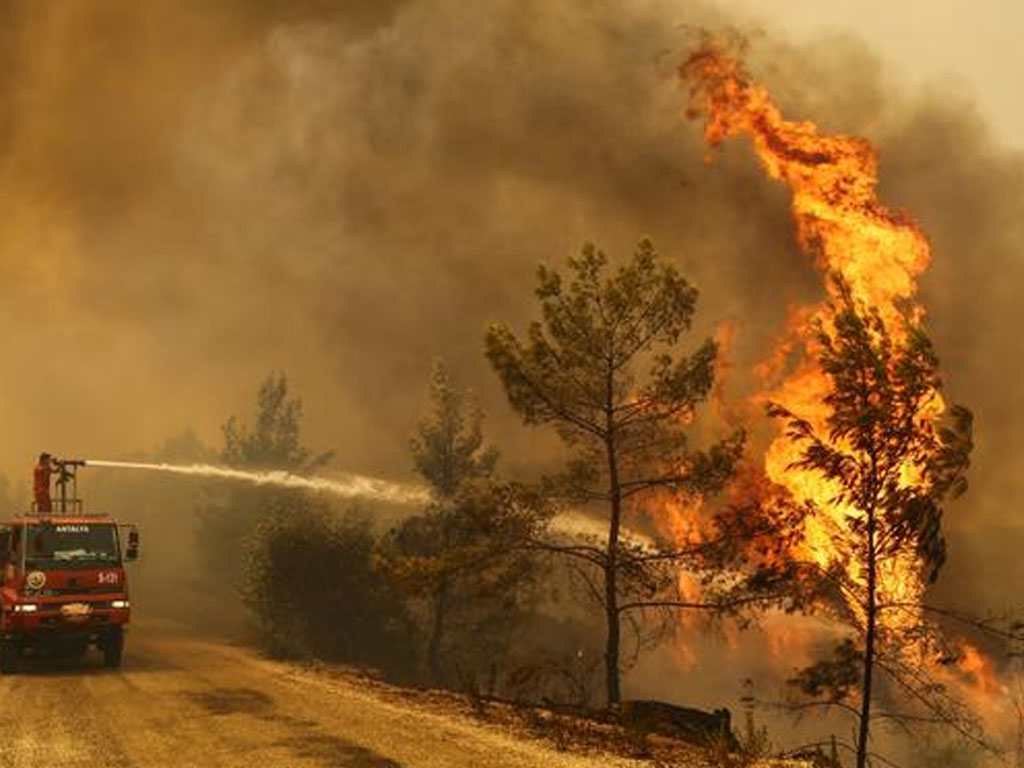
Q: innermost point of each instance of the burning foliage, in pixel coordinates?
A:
(866, 454)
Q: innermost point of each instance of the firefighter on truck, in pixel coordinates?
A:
(63, 583)
(41, 483)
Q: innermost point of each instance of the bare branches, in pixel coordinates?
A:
(720, 605)
(592, 555)
(1005, 627)
(944, 709)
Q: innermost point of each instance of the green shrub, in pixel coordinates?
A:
(311, 580)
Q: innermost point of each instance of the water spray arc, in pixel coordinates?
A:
(349, 487)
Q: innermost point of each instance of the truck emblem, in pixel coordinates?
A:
(35, 580)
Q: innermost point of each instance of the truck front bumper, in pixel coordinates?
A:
(58, 619)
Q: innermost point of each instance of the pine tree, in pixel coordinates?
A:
(580, 371)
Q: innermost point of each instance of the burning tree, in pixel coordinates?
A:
(579, 371)
(887, 465)
(869, 453)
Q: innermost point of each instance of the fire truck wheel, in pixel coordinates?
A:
(10, 656)
(112, 646)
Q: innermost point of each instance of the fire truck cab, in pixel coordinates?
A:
(63, 584)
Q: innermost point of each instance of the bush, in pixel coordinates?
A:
(468, 578)
(311, 580)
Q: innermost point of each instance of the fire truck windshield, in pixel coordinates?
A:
(58, 546)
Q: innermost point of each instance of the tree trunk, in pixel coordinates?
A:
(441, 591)
(611, 595)
(611, 652)
(437, 631)
(869, 649)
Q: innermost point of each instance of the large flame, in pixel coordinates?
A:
(880, 252)
(841, 223)
(833, 179)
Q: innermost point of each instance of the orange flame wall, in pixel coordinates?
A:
(880, 252)
(833, 179)
(845, 228)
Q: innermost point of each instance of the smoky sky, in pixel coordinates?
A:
(196, 194)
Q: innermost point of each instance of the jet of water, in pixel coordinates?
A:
(349, 487)
(571, 522)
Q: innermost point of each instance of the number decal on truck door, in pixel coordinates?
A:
(108, 577)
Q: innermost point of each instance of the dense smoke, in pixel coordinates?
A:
(198, 193)
(194, 202)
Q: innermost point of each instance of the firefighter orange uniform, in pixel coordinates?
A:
(41, 483)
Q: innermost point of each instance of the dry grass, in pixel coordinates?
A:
(578, 733)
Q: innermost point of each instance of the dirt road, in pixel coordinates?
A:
(181, 701)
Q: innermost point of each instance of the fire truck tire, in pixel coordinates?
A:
(112, 646)
(9, 656)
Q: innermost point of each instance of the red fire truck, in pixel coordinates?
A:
(63, 583)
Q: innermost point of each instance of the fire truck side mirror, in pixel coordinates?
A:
(132, 552)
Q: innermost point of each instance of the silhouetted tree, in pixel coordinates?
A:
(469, 574)
(579, 371)
(462, 561)
(227, 522)
(274, 440)
(448, 448)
